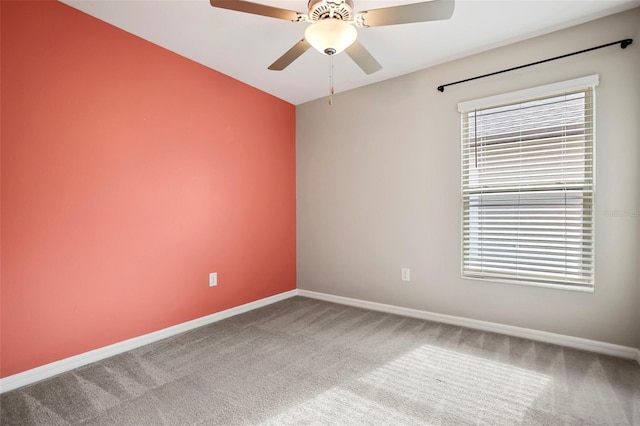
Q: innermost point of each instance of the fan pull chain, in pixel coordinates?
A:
(331, 89)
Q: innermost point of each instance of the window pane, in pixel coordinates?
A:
(527, 188)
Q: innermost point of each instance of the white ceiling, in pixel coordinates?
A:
(243, 45)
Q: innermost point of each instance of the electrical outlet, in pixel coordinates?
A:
(213, 279)
(406, 274)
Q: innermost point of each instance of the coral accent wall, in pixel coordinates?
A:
(128, 174)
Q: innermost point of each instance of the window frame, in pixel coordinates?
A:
(524, 96)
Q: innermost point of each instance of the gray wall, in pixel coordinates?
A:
(378, 187)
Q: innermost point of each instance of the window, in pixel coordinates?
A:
(528, 185)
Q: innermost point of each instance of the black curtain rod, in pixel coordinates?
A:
(623, 44)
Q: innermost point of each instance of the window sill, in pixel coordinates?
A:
(532, 284)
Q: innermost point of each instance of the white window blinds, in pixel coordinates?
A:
(527, 186)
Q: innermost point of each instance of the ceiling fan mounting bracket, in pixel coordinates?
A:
(360, 20)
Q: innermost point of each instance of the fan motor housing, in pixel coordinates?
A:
(323, 9)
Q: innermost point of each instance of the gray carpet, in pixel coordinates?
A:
(303, 361)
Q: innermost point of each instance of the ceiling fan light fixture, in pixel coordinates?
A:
(330, 36)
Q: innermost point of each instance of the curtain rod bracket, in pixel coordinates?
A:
(623, 44)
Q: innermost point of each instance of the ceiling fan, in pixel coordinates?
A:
(333, 25)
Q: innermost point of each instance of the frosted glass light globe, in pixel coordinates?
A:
(330, 36)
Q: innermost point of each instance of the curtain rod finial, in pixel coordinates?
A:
(441, 88)
(625, 43)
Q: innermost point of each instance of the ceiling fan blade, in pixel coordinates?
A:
(256, 9)
(363, 58)
(291, 55)
(406, 14)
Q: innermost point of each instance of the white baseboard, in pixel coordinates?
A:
(43, 372)
(527, 333)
